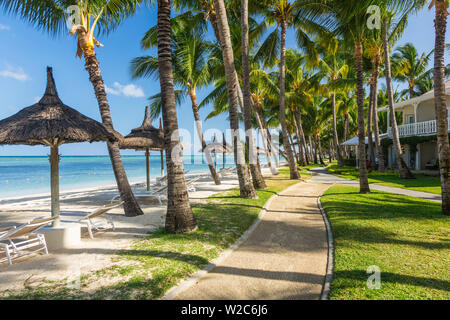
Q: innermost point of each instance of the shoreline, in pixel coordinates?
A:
(100, 187)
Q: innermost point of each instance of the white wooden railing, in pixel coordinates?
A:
(417, 129)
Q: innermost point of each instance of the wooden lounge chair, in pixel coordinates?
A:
(100, 226)
(23, 240)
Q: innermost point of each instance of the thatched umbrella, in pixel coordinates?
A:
(146, 137)
(217, 147)
(51, 123)
(226, 146)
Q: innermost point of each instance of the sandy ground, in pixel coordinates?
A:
(91, 254)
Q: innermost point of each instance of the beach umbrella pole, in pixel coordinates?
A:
(147, 165)
(54, 182)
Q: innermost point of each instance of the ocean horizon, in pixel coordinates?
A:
(28, 175)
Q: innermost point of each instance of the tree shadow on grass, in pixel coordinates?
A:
(390, 277)
(378, 235)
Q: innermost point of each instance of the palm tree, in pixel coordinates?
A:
(374, 49)
(245, 186)
(191, 69)
(440, 98)
(409, 67)
(334, 67)
(179, 217)
(258, 180)
(285, 14)
(401, 10)
(350, 23)
(51, 16)
(206, 8)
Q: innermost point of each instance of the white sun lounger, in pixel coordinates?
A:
(161, 193)
(226, 171)
(26, 239)
(162, 181)
(190, 184)
(100, 226)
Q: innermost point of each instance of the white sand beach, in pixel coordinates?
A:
(90, 254)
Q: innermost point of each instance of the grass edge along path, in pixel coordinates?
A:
(407, 238)
(421, 183)
(153, 265)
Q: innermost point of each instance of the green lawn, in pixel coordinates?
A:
(421, 183)
(153, 265)
(407, 238)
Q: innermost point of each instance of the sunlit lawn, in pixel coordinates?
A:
(407, 238)
(392, 179)
(153, 265)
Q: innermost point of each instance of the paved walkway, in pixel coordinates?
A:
(321, 175)
(284, 258)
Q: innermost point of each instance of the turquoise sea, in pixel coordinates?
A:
(31, 175)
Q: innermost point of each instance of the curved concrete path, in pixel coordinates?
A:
(284, 258)
(323, 176)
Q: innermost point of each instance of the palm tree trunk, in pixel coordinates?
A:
(363, 179)
(403, 169)
(246, 188)
(376, 75)
(291, 141)
(346, 134)
(335, 134)
(130, 206)
(198, 124)
(290, 158)
(319, 146)
(369, 127)
(302, 135)
(273, 150)
(302, 158)
(441, 103)
(264, 138)
(313, 149)
(257, 177)
(179, 217)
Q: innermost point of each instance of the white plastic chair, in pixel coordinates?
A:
(97, 225)
(17, 242)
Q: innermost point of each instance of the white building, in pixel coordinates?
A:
(419, 119)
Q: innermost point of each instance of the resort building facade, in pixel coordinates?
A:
(417, 132)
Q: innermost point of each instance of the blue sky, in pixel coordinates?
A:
(28, 51)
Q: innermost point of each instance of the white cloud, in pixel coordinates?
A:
(4, 27)
(14, 73)
(128, 90)
(36, 99)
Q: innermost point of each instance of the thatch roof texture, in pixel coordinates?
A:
(144, 137)
(51, 120)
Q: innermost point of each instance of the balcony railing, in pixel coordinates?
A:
(417, 129)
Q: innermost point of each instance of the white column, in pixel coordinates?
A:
(418, 157)
(388, 120)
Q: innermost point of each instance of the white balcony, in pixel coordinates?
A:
(417, 129)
